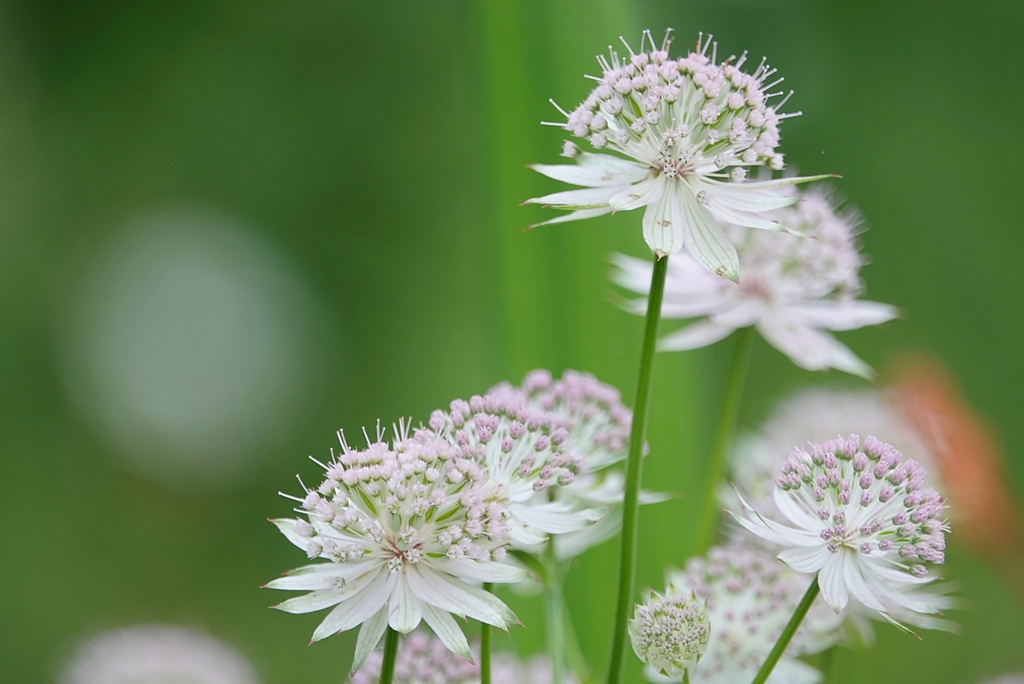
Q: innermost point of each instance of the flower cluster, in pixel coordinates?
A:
(408, 530)
(862, 518)
(813, 415)
(694, 126)
(425, 660)
(670, 632)
(793, 289)
(153, 654)
(750, 596)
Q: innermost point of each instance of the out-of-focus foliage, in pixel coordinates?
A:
(372, 155)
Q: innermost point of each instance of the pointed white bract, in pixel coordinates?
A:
(670, 632)
(524, 455)
(690, 129)
(425, 660)
(793, 289)
(750, 597)
(598, 426)
(861, 517)
(409, 530)
(156, 654)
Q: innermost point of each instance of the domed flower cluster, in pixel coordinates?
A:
(425, 660)
(862, 518)
(156, 654)
(750, 596)
(409, 527)
(793, 289)
(598, 427)
(812, 415)
(694, 126)
(670, 632)
(523, 451)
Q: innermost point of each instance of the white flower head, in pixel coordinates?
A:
(156, 654)
(861, 517)
(793, 289)
(598, 426)
(408, 535)
(524, 456)
(815, 415)
(691, 128)
(670, 632)
(750, 597)
(425, 660)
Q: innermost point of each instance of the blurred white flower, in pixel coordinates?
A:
(861, 517)
(670, 632)
(409, 533)
(694, 126)
(750, 597)
(793, 289)
(425, 660)
(156, 654)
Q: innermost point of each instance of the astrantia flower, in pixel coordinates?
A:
(522, 451)
(157, 654)
(424, 660)
(815, 415)
(793, 290)
(750, 597)
(408, 534)
(670, 632)
(861, 517)
(690, 127)
(598, 424)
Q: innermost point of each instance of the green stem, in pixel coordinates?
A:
(485, 647)
(554, 616)
(387, 668)
(631, 500)
(787, 633)
(686, 676)
(723, 437)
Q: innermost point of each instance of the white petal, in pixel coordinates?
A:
(779, 182)
(574, 216)
(458, 598)
(792, 671)
(324, 598)
(477, 571)
(577, 199)
(575, 543)
(556, 517)
(694, 336)
(664, 225)
(611, 164)
(287, 527)
(844, 315)
(830, 579)
(706, 240)
(744, 197)
(447, 630)
(321, 575)
(639, 195)
(809, 559)
(794, 512)
(809, 348)
(359, 608)
(369, 636)
(594, 174)
(631, 273)
(858, 587)
(404, 610)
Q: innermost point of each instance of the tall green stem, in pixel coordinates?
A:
(387, 668)
(485, 647)
(787, 633)
(723, 437)
(631, 500)
(554, 616)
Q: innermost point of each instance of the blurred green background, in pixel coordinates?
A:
(230, 228)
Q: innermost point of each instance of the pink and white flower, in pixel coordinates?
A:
(793, 289)
(689, 129)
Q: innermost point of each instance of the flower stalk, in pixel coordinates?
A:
(787, 634)
(634, 462)
(485, 646)
(387, 668)
(554, 617)
(723, 437)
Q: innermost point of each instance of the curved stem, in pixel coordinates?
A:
(630, 503)
(787, 633)
(723, 437)
(485, 647)
(387, 668)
